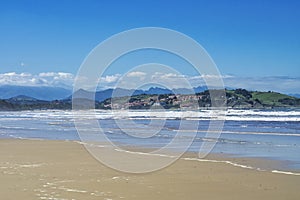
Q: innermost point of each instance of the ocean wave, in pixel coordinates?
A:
(235, 164)
(231, 115)
(242, 166)
(285, 172)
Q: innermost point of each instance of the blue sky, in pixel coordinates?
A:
(245, 38)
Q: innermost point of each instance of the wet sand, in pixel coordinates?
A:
(59, 170)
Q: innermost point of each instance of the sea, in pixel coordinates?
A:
(272, 134)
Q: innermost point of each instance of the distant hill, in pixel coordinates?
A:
(120, 92)
(255, 99)
(139, 99)
(105, 94)
(238, 98)
(22, 102)
(42, 93)
(4, 105)
(295, 95)
(25, 100)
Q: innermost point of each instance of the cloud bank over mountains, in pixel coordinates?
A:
(283, 84)
(49, 79)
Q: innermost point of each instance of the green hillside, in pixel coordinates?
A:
(255, 99)
(275, 99)
(239, 98)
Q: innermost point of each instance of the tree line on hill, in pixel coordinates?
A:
(238, 98)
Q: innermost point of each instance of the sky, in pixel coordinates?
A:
(255, 44)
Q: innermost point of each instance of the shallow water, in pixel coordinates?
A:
(246, 133)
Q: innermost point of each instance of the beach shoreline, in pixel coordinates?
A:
(49, 169)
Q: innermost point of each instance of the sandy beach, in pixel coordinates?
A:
(60, 170)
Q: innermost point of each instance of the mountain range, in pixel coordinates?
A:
(41, 93)
(120, 92)
(59, 93)
(238, 98)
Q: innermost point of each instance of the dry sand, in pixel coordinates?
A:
(59, 170)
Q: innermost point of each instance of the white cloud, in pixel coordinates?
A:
(110, 78)
(210, 76)
(136, 74)
(57, 75)
(161, 75)
(60, 79)
(282, 84)
(47, 74)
